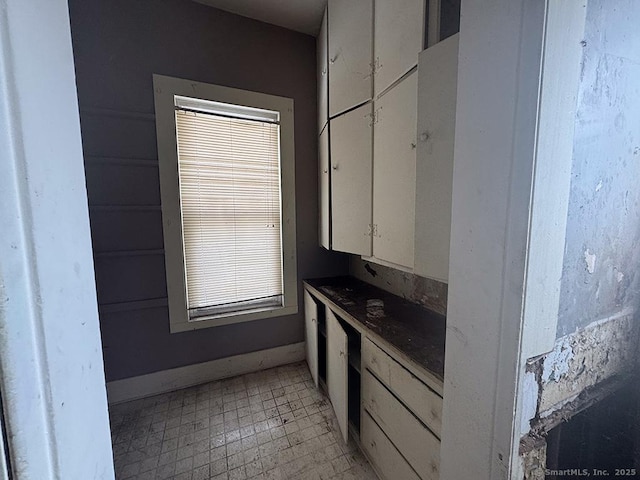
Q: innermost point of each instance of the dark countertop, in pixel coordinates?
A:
(411, 328)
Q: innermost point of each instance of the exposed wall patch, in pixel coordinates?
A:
(587, 357)
(590, 260)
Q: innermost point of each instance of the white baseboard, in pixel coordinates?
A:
(165, 381)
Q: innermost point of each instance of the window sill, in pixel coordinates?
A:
(232, 317)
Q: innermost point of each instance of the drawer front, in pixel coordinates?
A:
(412, 439)
(424, 402)
(383, 455)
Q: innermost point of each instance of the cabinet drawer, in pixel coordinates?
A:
(383, 455)
(412, 439)
(424, 402)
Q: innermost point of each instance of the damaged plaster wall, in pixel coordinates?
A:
(597, 332)
(563, 379)
(425, 291)
(601, 272)
(586, 358)
(600, 292)
(584, 367)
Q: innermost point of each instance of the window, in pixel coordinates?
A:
(227, 187)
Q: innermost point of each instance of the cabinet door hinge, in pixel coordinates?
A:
(372, 230)
(376, 66)
(375, 117)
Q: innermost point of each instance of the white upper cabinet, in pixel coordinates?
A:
(399, 38)
(437, 89)
(394, 173)
(349, 27)
(386, 150)
(323, 74)
(351, 172)
(324, 211)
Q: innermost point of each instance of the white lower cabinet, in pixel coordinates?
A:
(418, 445)
(423, 401)
(375, 395)
(337, 372)
(384, 456)
(311, 334)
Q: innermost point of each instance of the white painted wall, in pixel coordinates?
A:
(601, 274)
(497, 216)
(500, 45)
(52, 377)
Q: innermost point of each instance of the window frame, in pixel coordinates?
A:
(165, 88)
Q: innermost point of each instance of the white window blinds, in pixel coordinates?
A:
(229, 171)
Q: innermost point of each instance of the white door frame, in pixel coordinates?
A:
(51, 369)
(518, 78)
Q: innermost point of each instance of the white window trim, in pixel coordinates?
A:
(165, 88)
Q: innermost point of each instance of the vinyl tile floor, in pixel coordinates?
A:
(268, 425)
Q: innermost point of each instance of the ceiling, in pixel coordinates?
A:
(300, 15)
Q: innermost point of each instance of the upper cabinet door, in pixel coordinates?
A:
(323, 74)
(350, 24)
(399, 38)
(311, 334)
(323, 190)
(437, 90)
(337, 371)
(351, 172)
(394, 173)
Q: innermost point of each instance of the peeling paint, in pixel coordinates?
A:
(556, 363)
(582, 369)
(587, 357)
(590, 260)
(530, 391)
(599, 186)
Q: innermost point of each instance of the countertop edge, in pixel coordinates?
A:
(428, 377)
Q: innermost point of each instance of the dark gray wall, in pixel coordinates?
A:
(449, 18)
(118, 45)
(601, 273)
